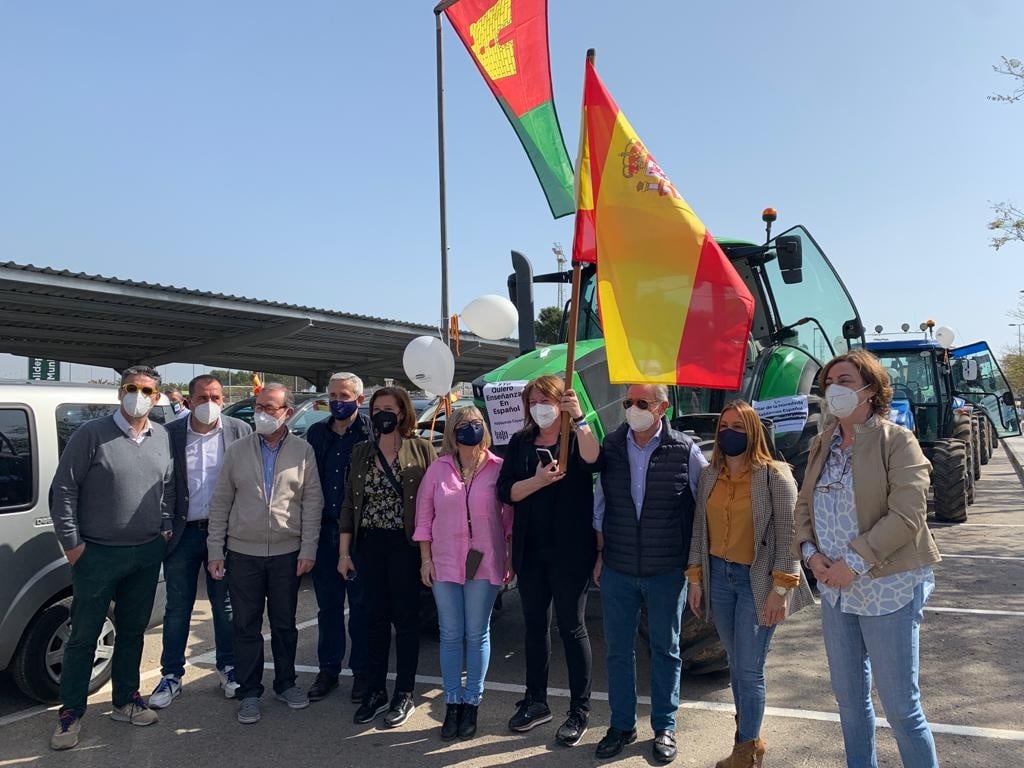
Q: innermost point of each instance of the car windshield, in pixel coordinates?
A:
(911, 374)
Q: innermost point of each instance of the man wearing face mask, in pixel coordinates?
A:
(198, 443)
(111, 502)
(332, 441)
(265, 512)
(177, 401)
(643, 514)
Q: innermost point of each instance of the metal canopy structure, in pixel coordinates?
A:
(104, 321)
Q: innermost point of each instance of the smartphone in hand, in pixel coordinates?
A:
(545, 457)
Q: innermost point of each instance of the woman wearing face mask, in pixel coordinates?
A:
(463, 531)
(378, 517)
(553, 547)
(742, 572)
(861, 528)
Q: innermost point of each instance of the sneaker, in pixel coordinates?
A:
(135, 712)
(228, 683)
(294, 697)
(359, 686)
(166, 691)
(529, 714)
(66, 734)
(571, 732)
(400, 711)
(450, 726)
(373, 705)
(249, 710)
(325, 683)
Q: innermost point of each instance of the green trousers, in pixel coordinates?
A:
(126, 576)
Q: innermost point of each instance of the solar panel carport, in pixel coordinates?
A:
(104, 321)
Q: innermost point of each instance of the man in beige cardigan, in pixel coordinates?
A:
(265, 513)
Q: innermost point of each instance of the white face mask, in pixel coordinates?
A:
(267, 424)
(207, 413)
(544, 414)
(136, 404)
(639, 420)
(842, 401)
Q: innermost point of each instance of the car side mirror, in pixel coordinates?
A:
(1007, 399)
(789, 252)
(853, 329)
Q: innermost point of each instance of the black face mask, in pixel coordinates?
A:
(731, 442)
(385, 422)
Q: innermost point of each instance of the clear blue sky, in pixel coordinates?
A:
(287, 151)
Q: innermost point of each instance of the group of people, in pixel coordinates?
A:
(375, 515)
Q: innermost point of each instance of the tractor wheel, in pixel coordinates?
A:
(812, 428)
(976, 459)
(983, 439)
(950, 480)
(993, 435)
(963, 429)
(701, 651)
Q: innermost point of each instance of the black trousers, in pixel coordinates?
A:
(255, 582)
(390, 572)
(541, 584)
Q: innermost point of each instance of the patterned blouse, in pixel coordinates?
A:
(835, 520)
(383, 507)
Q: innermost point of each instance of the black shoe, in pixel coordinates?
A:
(400, 711)
(372, 705)
(322, 686)
(570, 733)
(529, 715)
(664, 747)
(450, 726)
(359, 687)
(467, 726)
(613, 743)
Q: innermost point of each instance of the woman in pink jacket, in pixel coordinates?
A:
(463, 531)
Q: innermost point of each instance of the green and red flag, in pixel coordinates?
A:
(508, 40)
(673, 309)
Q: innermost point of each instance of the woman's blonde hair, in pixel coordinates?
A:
(460, 416)
(757, 454)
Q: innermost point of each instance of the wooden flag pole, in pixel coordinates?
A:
(574, 316)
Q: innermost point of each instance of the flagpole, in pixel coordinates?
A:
(573, 327)
(443, 208)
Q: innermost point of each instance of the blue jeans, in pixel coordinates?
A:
(330, 589)
(464, 613)
(181, 577)
(887, 646)
(621, 597)
(744, 639)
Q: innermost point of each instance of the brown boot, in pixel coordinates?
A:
(749, 754)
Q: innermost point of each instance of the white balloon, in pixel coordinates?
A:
(430, 365)
(491, 317)
(945, 336)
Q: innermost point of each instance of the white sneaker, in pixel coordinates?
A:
(166, 691)
(228, 684)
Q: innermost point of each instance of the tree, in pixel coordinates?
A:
(1012, 364)
(548, 325)
(1008, 224)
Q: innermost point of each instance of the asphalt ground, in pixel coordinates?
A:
(972, 669)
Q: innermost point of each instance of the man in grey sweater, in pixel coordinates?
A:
(111, 502)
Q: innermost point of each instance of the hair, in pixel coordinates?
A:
(871, 371)
(757, 454)
(459, 417)
(407, 425)
(548, 385)
(355, 381)
(203, 378)
(660, 391)
(140, 370)
(289, 398)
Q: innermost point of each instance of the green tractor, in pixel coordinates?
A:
(803, 316)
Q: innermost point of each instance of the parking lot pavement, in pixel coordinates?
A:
(971, 669)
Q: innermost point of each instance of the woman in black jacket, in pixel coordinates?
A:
(553, 547)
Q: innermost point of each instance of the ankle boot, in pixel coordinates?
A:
(726, 762)
(749, 754)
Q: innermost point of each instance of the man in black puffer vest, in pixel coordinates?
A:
(643, 515)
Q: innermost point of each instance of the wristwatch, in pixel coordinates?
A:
(580, 423)
(781, 591)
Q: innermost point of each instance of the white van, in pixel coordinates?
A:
(36, 421)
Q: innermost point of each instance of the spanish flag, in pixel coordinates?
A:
(673, 309)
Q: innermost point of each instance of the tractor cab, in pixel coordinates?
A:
(978, 379)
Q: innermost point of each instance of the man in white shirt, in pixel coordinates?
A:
(198, 442)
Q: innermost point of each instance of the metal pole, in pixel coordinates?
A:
(442, 209)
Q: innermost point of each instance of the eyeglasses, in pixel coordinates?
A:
(836, 485)
(268, 408)
(643, 405)
(131, 389)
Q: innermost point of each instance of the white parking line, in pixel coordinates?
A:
(980, 557)
(950, 609)
(976, 525)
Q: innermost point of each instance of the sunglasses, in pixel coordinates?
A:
(643, 405)
(133, 388)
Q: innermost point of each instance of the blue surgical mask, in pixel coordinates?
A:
(343, 409)
(732, 442)
(470, 433)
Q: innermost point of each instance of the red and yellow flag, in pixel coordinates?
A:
(673, 309)
(508, 40)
